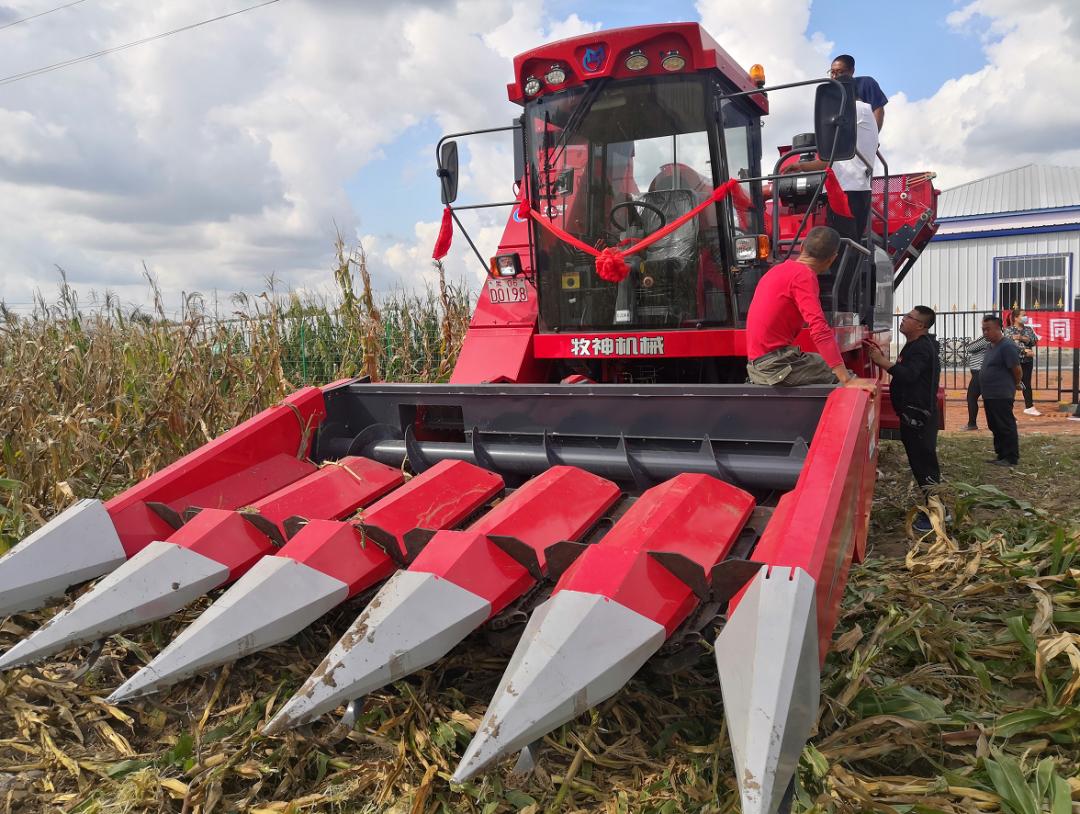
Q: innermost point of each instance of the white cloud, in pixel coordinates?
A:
(789, 53)
(487, 170)
(220, 156)
(1020, 107)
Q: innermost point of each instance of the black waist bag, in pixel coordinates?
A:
(915, 417)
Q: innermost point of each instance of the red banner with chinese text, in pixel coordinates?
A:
(1056, 329)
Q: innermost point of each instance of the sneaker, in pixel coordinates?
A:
(969, 427)
(1074, 418)
(1031, 411)
(922, 524)
(1003, 462)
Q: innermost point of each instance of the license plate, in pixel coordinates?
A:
(507, 291)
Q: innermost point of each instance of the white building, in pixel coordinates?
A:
(1010, 238)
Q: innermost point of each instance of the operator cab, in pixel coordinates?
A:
(627, 133)
(610, 163)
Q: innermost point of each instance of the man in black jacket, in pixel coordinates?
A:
(915, 376)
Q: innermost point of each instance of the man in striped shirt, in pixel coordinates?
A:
(975, 350)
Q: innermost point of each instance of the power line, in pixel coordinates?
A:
(7, 80)
(41, 14)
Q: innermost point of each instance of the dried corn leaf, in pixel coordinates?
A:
(118, 742)
(70, 765)
(176, 788)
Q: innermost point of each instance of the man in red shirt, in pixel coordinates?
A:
(787, 298)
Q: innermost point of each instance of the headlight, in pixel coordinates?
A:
(506, 265)
(746, 248)
(672, 61)
(532, 86)
(637, 61)
(753, 247)
(556, 75)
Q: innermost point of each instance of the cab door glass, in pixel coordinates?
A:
(740, 163)
(611, 164)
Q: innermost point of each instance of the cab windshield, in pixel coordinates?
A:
(610, 164)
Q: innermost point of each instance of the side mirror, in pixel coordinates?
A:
(834, 120)
(448, 171)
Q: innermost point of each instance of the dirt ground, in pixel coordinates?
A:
(1047, 476)
(1053, 419)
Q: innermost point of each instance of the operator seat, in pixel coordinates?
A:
(665, 293)
(680, 245)
(701, 282)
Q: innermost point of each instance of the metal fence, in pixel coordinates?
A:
(1054, 374)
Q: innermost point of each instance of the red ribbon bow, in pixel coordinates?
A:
(611, 262)
(611, 265)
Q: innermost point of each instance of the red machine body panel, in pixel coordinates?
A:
(659, 344)
(472, 560)
(604, 53)
(238, 540)
(266, 452)
(822, 523)
(340, 550)
(337, 489)
(694, 516)
(498, 355)
(439, 498)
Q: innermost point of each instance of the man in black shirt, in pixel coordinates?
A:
(915, 376)
(999, 379)
(867, 88)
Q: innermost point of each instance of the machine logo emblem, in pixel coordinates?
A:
(593, 60)
(617, 346)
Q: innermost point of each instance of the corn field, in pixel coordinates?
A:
(952, 685)
(94, 401)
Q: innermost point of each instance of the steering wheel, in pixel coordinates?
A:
(635, 205)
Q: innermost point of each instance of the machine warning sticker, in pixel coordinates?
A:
(617, 346)
(872, 444)
(504, 291)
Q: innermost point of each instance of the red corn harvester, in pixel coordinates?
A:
(652, 497)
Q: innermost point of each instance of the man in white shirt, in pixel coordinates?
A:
(854, 175)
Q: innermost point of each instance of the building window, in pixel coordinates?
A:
(1033, 283)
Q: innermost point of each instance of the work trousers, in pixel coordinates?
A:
(1002, 423)
(1026, 368)
(920, 444)
(853, 227)
(973, 392)
(790, 367)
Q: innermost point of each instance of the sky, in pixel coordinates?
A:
(229, 155)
